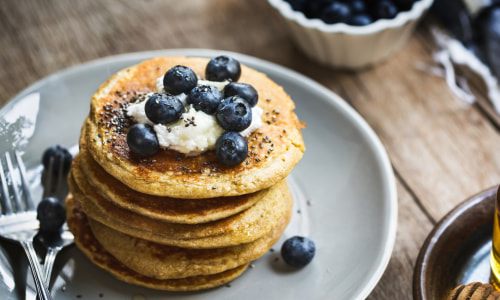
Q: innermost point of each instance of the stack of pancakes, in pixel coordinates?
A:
(170, 221)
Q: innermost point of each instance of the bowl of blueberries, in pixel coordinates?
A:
(350, 34)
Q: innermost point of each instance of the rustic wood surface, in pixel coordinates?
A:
(442, 151)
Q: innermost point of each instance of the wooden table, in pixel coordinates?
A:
(442, 150)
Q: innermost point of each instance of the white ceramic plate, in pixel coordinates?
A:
(344, 188)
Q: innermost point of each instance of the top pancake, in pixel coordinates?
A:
(274, 149)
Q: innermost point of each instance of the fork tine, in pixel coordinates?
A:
(6, 206)
(15, 191)
(30, 205)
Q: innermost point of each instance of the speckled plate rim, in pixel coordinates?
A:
(470, 211)
(387, 176)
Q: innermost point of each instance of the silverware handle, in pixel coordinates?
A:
(48, 263)
(41, 288)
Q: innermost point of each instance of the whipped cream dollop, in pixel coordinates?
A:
(195, 132)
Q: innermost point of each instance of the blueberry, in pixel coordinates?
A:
(352, 12)
(205, 98)
(385, 9)
(314, 8)
(234, 114)
(51, 214)
(298, 5)
(298, 251)
(142, 140)
(179, 79)
(360, 20)
(163, 108)
(244, 90)
(58, 152)
(404, 4)
(336, 12)
(222, 68)
(231, 148)
(358, 7)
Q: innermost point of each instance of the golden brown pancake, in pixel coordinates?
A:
(243, 227)
(175, 210)
(87, 243)
(274, 149)
(165, 262)
(171, 221)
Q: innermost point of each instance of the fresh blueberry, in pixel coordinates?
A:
(179, 79)
(385, 9)
(404, 4)
(51, 214)
(244, 90)
(298, 251)
(298, 5)
(360, 20)
(314, 8)
(205, 98)
(358, 7)
(222, 68)
(231, 148)
(234, 114)
(59, 153)
(163, 108)
(353, 12)
(142, 140)
(336, 12)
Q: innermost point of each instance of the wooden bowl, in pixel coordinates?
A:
(457, 250)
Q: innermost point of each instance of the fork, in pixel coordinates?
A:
(55, 185)
(18, 221)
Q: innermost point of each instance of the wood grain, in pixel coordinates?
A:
(441, 149)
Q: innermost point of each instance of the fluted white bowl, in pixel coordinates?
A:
(346, 46)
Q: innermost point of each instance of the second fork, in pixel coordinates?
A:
(55, 185)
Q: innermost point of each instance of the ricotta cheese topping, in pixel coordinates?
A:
(195, 132)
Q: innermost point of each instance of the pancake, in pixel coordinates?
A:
(274, 149)
(243, 227)
(188, 211)
(87, 243)
(165, 262)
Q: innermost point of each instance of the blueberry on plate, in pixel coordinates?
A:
(234, 114)
(163, 108)
(244, 90)
(205, 98)
(231, 148)
(51, 214)
(222, 68)
(179, 79)
(58, 153)
(336, 12)
(298, 251)
(142, 140)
